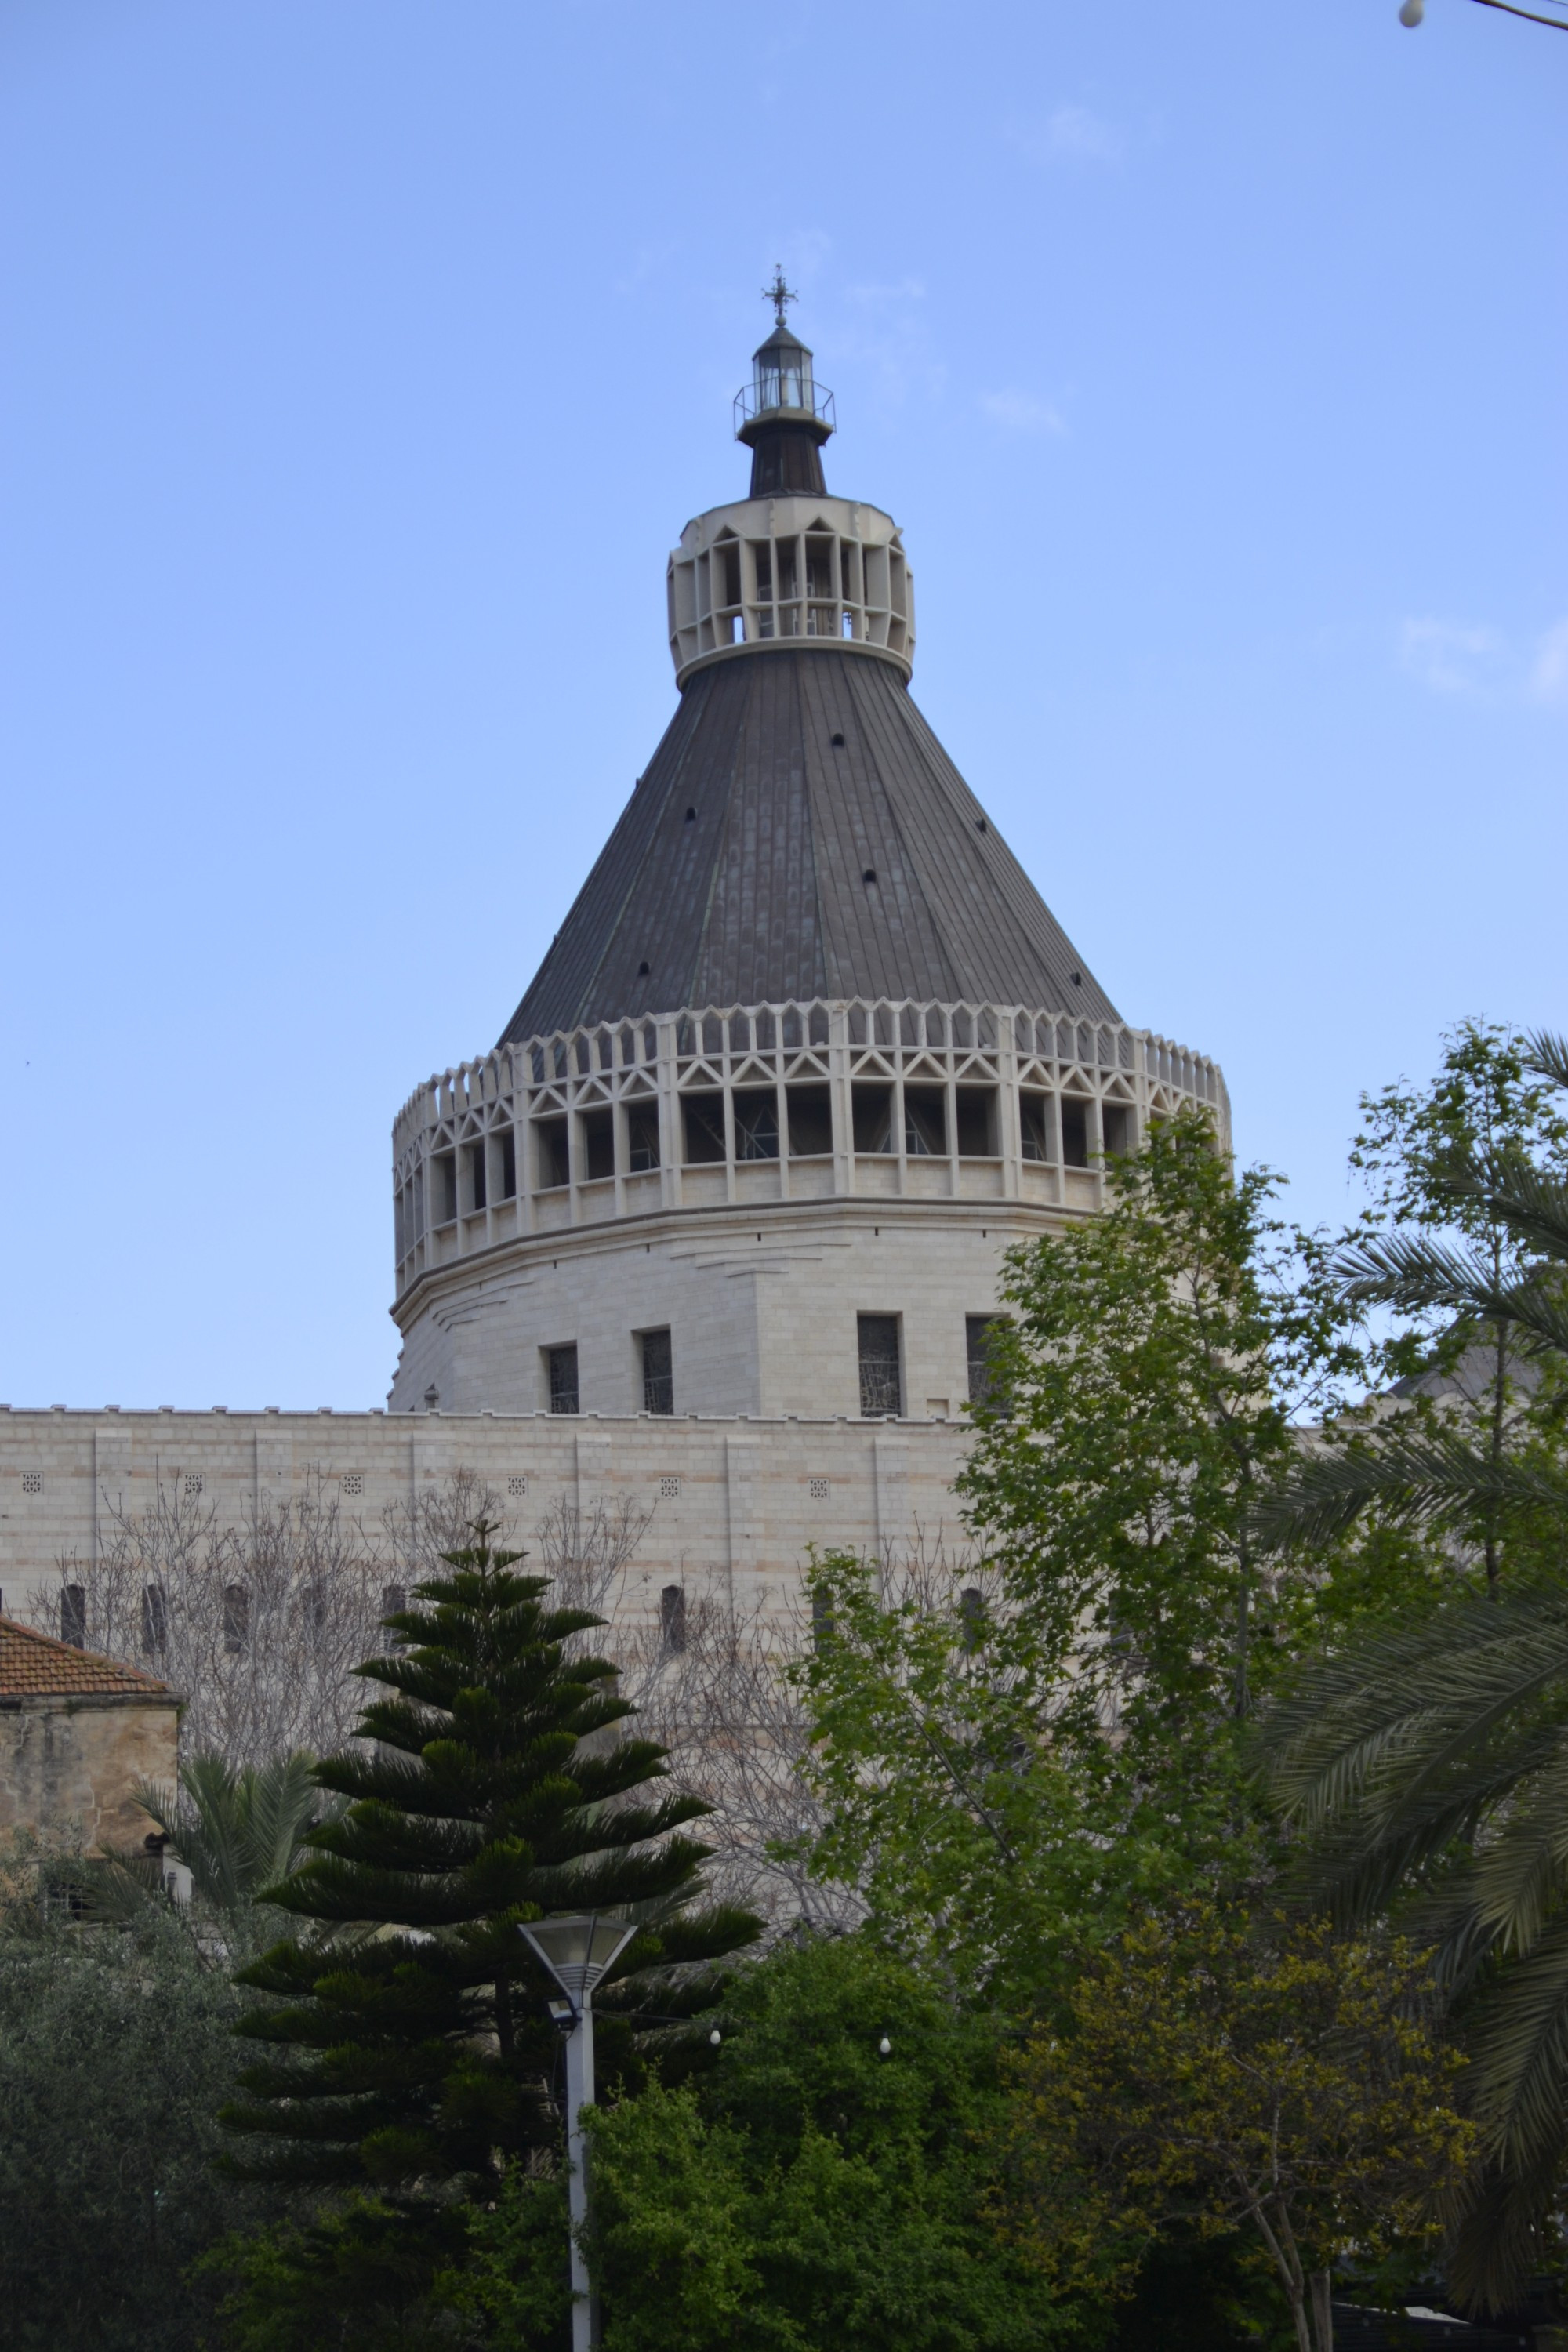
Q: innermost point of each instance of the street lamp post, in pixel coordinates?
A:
(577, 1950)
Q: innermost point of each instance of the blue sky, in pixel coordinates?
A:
(361, 362)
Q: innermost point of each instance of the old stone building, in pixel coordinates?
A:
(76, 1734)
(718, 1221)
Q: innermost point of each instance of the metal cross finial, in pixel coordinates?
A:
(779, 294)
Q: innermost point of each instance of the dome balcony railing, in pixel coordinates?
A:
(734, 1107)
(789, 398)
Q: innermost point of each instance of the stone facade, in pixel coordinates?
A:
(734, 1500)
(752, 1182)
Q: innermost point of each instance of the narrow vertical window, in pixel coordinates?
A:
(642, 1138)
(672, 1617)
(562, 1367)
(1116, 1122)
(1075, 1132)
(881, 1384)
(980, 1333)
(394, 1601)
(154, 1620)
(972, 1619)
(658, 1373)
(235, 1619)
(925, 1122)
(821, 1621)
(1033, 1126)
(73, 1615)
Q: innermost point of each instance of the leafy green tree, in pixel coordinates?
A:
(1216, 2077)
(1009, 1757)
(1437, 1248)
(407, 2047)
(807, 2190)
(116, 2051)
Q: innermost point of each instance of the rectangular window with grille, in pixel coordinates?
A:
(980, 1330)
(658, 1371)
(561, 1363)
(881, 1381)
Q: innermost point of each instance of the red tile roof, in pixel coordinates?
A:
(34, 1665)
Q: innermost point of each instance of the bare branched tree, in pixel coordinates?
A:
(587, 1554)
(711, 1689)
(442, 1518)
(261, 1626)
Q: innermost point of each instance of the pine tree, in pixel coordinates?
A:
(409, 2049)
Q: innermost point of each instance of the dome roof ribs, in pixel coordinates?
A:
(762, 898)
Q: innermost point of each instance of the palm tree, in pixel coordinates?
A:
(238, 1830)
(1428, 1760)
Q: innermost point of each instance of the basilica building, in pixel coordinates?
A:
(717, 1223)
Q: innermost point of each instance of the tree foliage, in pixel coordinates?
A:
(407, 2043)
(807, 2190)
(116, 2051)
(1467, 1249)
(1216, 2077)
(1011, 1755)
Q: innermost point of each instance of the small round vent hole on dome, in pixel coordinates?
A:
(869, 874)
(1077, 980)
(642, 972)
(981, 826)
(839, 742)
(691, 816)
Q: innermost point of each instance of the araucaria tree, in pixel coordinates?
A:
(406, 2046)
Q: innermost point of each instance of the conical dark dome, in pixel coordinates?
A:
(800, 832)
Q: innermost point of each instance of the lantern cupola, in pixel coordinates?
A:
(783, 416)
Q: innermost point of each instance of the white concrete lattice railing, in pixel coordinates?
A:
(712, 1108)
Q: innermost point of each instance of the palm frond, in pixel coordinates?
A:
(1519, 2043)
(1406, 1701)
(1521, 1872)
(1418, 1276)
(1547, 1055)
(1417, 1475)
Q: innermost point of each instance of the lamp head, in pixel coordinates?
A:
(579, 1947)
